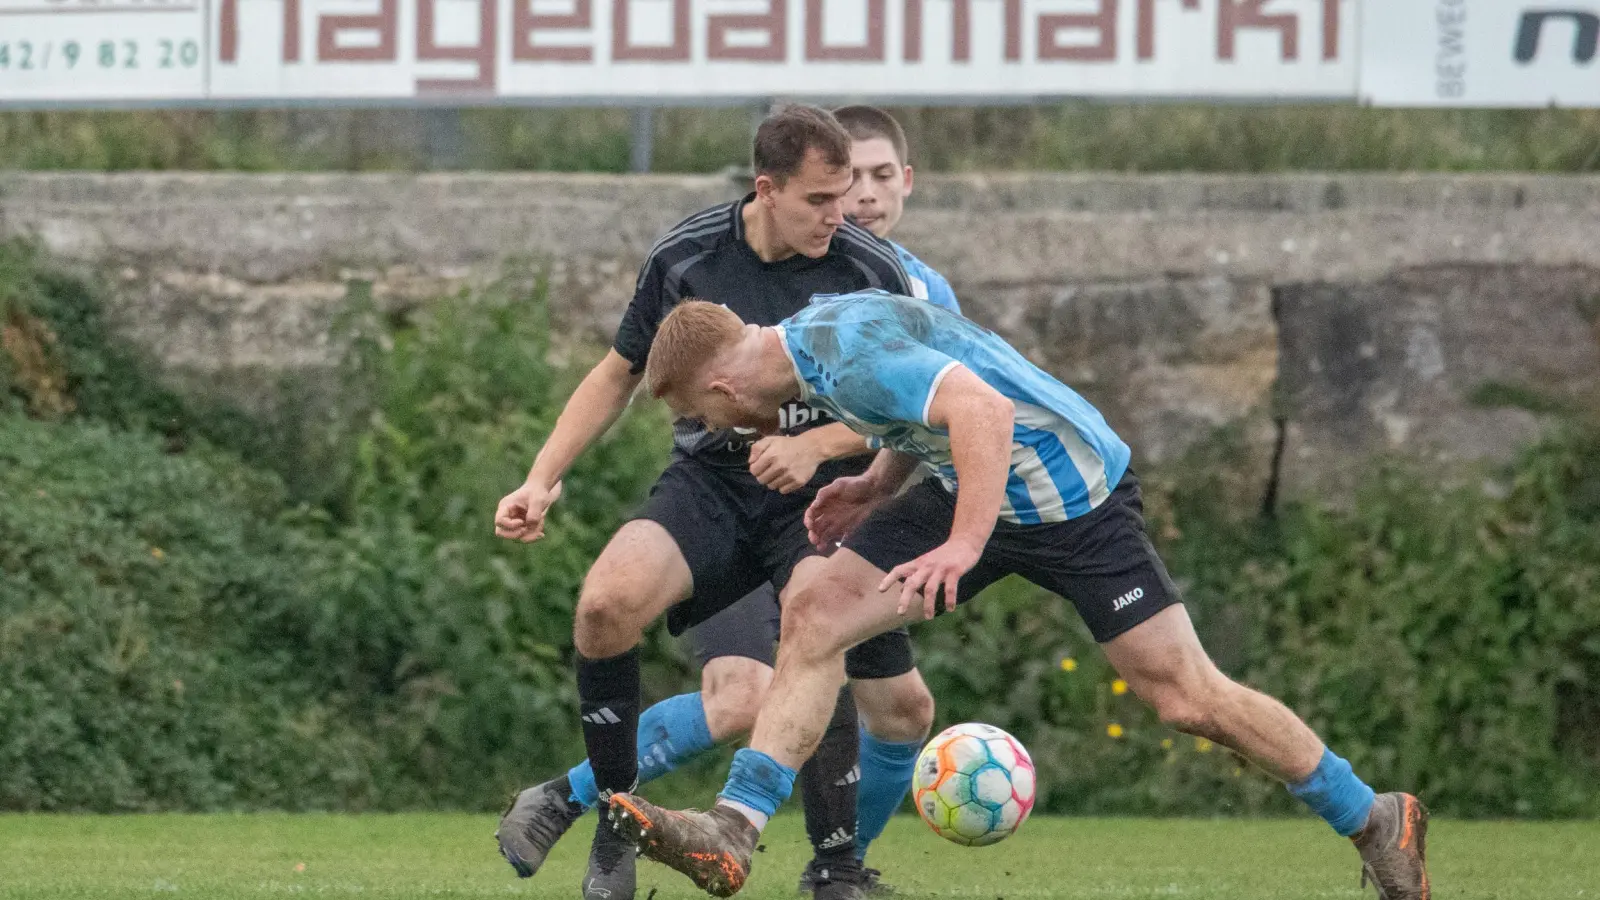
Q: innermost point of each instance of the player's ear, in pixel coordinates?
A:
(908, 181)
(765, 188)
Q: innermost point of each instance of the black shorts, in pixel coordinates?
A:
(735, 534)
(1102, 561)
(749, 628)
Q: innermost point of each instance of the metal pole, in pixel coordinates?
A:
(644, 138)
(445, 138)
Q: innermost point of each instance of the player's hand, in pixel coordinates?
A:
(841, 506)
(941, 567)
(784, 464)
(520, 516)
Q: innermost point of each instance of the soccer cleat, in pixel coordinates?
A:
(534, 821)
(1394, 848)
(842, 880)
(712, 848)
(612, 865)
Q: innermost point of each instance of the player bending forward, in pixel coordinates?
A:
(1045, 493)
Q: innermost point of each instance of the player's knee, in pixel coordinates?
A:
(732, 695)
(606, 620)
(810, 630)
(900, 715)
(820, 608)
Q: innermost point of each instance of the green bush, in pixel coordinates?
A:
(1444, 642)
(177, 630)
(465, 636)
(153, 634)
(382, 649)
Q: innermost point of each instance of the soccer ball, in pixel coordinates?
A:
(974, 784)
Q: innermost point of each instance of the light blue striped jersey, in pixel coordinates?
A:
(874, 360)
(927, 284)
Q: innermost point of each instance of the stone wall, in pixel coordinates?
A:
(1322, 318)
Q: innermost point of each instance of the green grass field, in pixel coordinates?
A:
(394, 856)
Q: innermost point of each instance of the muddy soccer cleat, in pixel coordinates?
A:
(534, 821)
(712, 848)
(1394, 847)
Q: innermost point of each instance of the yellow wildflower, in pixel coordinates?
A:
(1119, 687)
(1114, 730)
(1069, 665)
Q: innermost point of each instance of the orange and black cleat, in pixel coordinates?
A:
(712, 848)
(1394, 848)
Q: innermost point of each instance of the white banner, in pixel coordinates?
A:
(1480, 53)
(87, 51)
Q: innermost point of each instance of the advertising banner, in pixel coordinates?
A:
(651, 51)
(1504, 53)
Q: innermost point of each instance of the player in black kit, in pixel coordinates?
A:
(724, 519)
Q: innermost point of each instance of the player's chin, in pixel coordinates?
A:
(819, 246)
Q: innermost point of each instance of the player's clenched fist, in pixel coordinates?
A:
(520, 516)
(784, 464)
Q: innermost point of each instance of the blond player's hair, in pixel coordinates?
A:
(688, 338)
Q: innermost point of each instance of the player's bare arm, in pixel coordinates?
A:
(979, 420)
(593, 407)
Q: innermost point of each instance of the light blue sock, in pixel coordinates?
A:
(758, 781)
(886, 770)
(670, 733)
(1335, 793)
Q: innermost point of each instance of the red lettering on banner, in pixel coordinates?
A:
(1330, 29)
(961, 30)
(384, 22)
(228, 31)
(525, 22)
(774, 23)
(1145, 35)
(623, 49)
(482, 53)
(1104, 21)
(818, 50)
(1233, 15)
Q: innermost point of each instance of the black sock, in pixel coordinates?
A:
(828, 784)
(608, 700)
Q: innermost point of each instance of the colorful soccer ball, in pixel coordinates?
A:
(974, 784)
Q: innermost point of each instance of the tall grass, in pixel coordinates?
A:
(1061, 136)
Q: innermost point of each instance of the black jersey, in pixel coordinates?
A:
(706, 257)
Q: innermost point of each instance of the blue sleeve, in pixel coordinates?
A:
(929, 284)
(939, 291)
(886, 376)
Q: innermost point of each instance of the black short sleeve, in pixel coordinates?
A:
(649, 306)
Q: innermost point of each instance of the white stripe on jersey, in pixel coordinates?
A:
(1035, 475)
(1090, 467)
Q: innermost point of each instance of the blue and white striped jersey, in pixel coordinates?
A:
(874, 360)
(926, 283)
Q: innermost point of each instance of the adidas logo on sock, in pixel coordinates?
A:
(850, 777)
(839, 838)
(602, 716)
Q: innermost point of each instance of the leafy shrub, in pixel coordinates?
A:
(153, 629)
(177, 630)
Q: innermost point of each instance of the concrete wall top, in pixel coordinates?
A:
(981, 228)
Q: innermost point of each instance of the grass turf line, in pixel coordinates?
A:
(234, 857)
